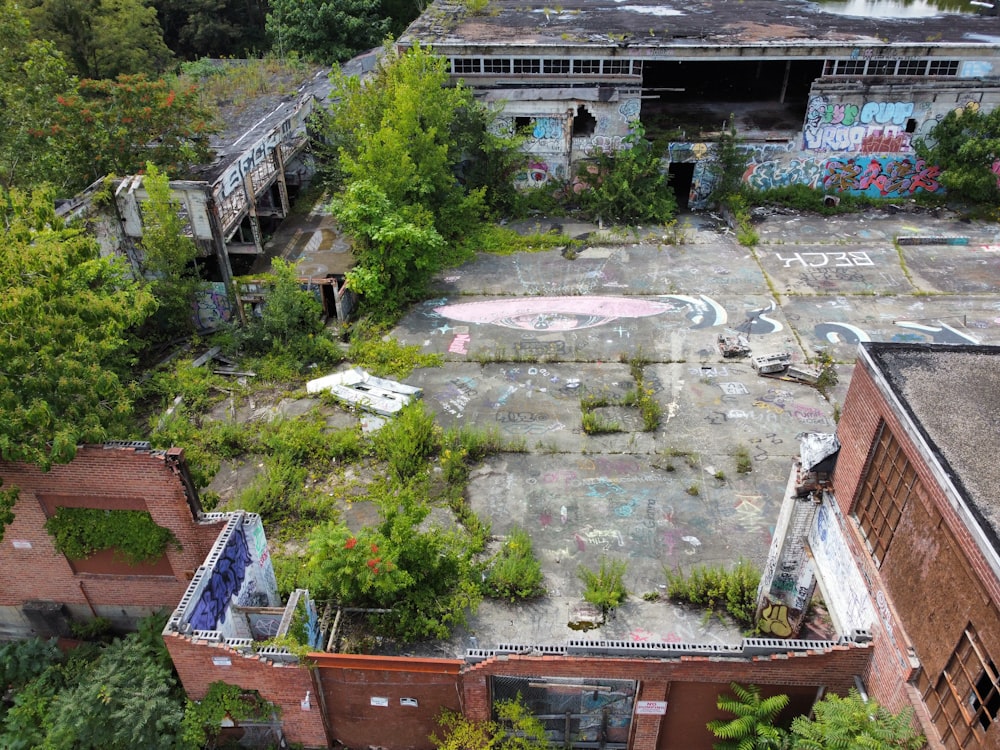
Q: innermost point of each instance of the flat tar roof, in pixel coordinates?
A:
(652, 25)
(954, 394)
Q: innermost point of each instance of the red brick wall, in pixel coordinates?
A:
(283, 685)
(107, 476)
(350, 682)
(695, 681)
(934, 580)
(347, 684)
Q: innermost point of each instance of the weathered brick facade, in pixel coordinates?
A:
(394, 702)
(109, 478)
(200, 663)
(934, 580)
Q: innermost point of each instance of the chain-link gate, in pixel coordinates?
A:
(576, 713)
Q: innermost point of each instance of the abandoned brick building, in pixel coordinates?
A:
(894, 522)
(42, 591)
(817, 97)
(903, 539)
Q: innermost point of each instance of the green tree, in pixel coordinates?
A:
(628, 184)
(854, 724)
(213, 28)
(103, 38)
(323, 30)
(116, 127)
(966, 145)
(425, 576)
(168, 257)
(728, 164)
(32, 74)
(752, 726)
(290, 322)
(397, 247)
(394, 143)
(127, 700)
(514, 729)
(64, 376)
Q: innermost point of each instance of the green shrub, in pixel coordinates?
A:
(386, 358)
(514, 572)
(604, 589)
(497, 240)
(276, 492)
(407, 440)
(719, 590)
(628, 185)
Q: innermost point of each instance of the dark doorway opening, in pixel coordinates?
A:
(681, 176)
(584, 123)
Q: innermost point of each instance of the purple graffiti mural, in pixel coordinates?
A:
(225, 580)
(552, 313)
(883, 177)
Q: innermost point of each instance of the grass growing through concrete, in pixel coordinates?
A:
(718, 590)
(605, 588)
(743, 463)
(640, 397)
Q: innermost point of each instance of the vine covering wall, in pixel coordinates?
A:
(80, 532)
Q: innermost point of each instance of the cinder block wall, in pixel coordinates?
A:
(30, 566)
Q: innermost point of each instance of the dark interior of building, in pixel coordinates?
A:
(692, 100)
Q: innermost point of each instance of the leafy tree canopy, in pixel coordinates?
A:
(396, 141)
(325, 31)
(103, 38)
(168, 257)
(213, 28)
(752, 726)
(516, 729)
(63, 377)
(116, 127)
(966, 145)
(32, 74)
(126, 700)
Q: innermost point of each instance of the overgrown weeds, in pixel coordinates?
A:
(605, 588)
(514, 572)
(719, 590)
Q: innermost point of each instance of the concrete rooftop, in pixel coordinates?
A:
(636, 25)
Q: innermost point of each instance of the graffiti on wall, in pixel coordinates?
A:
(882, 177)
(224, 582)
(212, 307)
(539, 173)
(547, 128)
(629, 110)
(872, 127)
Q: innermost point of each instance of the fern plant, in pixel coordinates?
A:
(854, 723)
(752, 726)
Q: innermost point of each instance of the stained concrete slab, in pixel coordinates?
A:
(525, 336)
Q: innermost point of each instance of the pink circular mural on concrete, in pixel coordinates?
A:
(552, 313)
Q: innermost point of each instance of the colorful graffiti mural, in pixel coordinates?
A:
(224, 582)
(870, 127)
(212, 307)
(881, 177)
